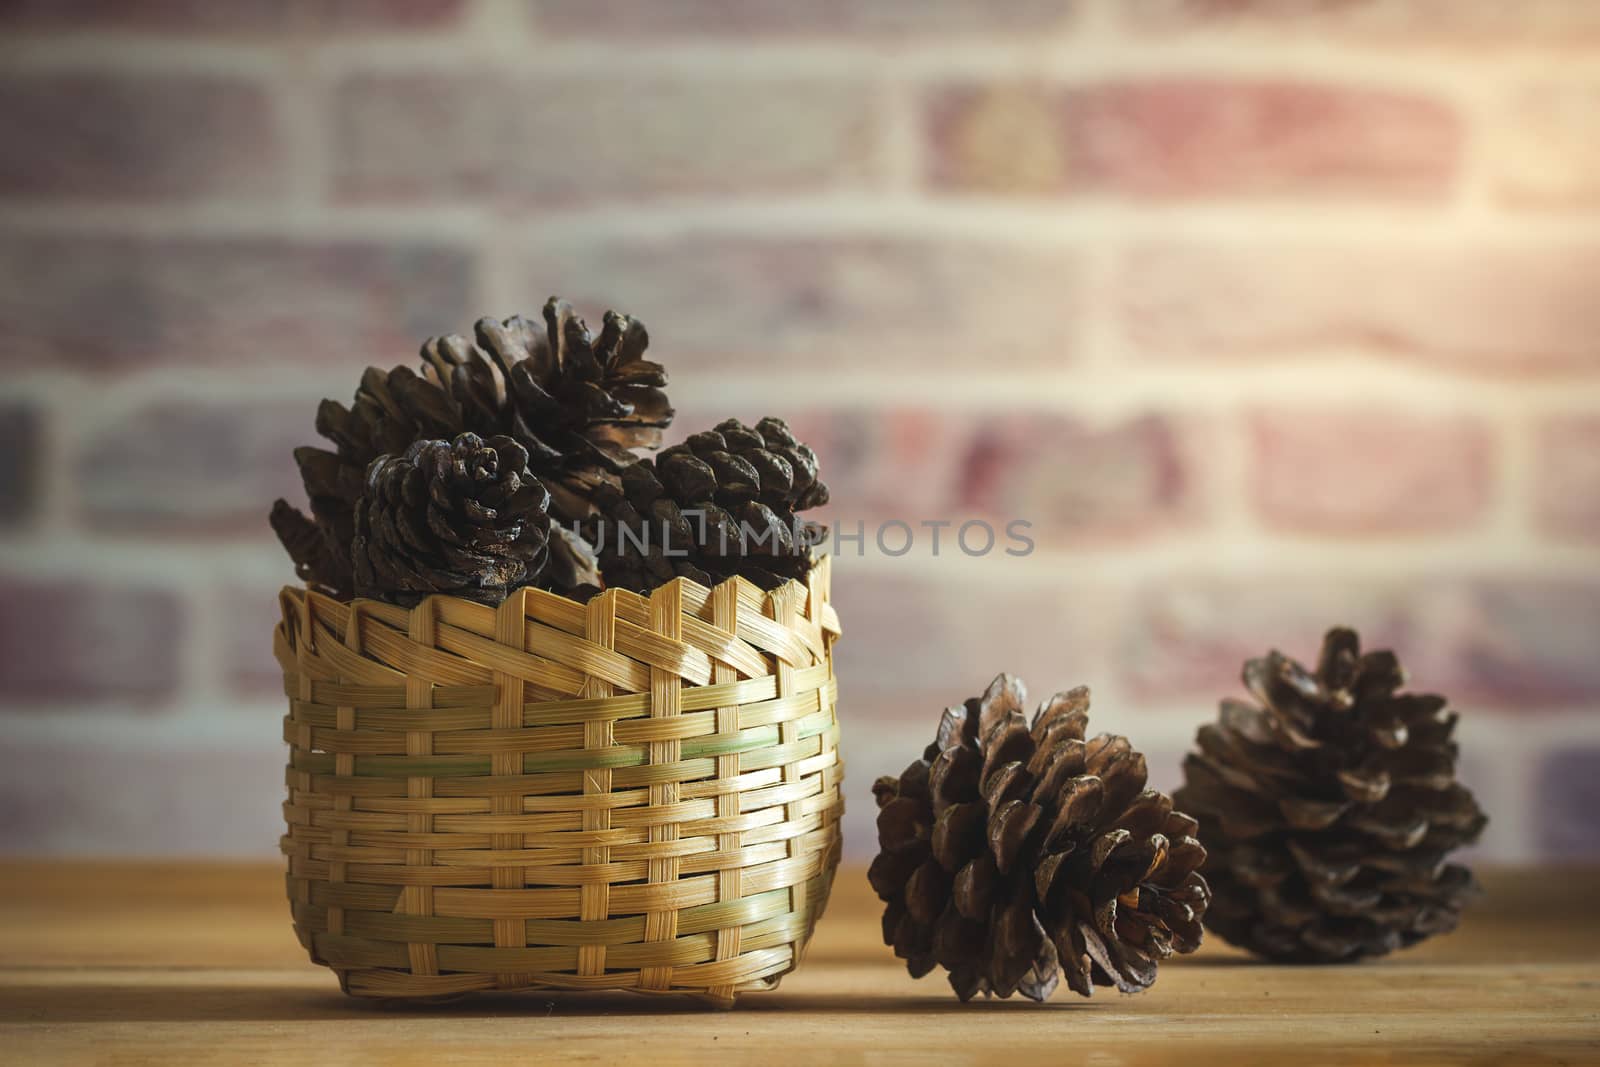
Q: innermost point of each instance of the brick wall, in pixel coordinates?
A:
(1269, 314)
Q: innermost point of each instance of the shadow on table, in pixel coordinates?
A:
(1203, 959)
(180, 1002)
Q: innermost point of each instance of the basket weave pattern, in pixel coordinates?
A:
(636, 793)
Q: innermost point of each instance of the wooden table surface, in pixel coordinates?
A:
(168, 963)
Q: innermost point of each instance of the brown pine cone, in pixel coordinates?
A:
(1328, 811)
(726, 498)
(314, 554)
(734, 463)
(1011, 850)
(464, 518)
(576, 403)
(391, 410)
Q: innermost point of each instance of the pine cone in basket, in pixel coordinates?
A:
(727, 498)
(1329, 810)
(464, 518)
(577, 403)
(315, 554)
(1012, 850)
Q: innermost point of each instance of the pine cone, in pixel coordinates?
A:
(312, 553)
(726, 498)
(575, 402)
(464, 518)
(1009, 851)
(579, 403)
(391, 410)
(1329, 810)
(574, 567)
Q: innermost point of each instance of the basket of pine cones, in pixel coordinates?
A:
(561, 712)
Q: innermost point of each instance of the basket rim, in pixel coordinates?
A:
(748, 593)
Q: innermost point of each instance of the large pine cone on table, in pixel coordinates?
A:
(725, 502)
(463, 518)
(1012, 852)
(1329, 810)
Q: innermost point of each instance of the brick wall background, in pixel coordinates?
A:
(1269, 314)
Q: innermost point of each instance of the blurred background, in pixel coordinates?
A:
(1268, 315)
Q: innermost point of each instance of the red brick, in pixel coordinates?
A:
(1503, 308)
(790, 308)
(249, 613)
(916, 645)
(1074, 480)
(1567, 468)
(1566, 794)
(137, 137)
(1189, 640)
(189, 468)
(90, 796)
(1545, 146)
(67, 641)
(201, 16)
(119, 303)
(21, 453)
(1366, 471)
(601, 138)
(669, 136)
(1526, 644)
(420, 134)
(1421, 21)
(716, 18)
(1190, 138)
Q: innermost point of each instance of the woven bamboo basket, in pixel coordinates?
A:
(639, 793)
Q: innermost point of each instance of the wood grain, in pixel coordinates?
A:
(161, 963)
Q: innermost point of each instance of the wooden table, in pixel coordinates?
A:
(178, 963)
